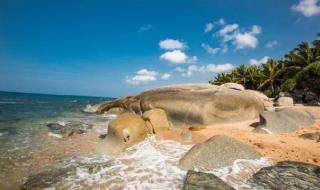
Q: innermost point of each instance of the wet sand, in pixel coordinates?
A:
(279, 147)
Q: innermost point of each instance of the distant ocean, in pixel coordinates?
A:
(27, 149)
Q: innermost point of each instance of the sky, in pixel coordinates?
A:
(117, 48)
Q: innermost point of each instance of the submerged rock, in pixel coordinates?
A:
(126, 130)
(193, 104)
(52, 177)
(217, 152)
(287, 175)
(284, 121)
(203, 181)
(69, 128)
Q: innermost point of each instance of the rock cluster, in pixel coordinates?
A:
(69, 128)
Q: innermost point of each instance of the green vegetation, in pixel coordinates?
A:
(299, 70)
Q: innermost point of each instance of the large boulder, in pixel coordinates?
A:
(157, 120)
(284, 121)
(217, 152)
(193, 104)
(124, 131)
(203, 181)
(234, 86)
(287, 175)
(267, 102)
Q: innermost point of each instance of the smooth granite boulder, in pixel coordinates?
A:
(124, 131)
(204, 181)
(287, 175)
(284, 101)
(217, 152)
(193, 104)
(234, 86)
(284, 121)
(157, 120)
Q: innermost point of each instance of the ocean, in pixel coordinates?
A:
(31, 153)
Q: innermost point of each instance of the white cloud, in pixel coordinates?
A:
(245, 40)
(145, 28)
(228, 29)
(180, 70)
(178, 57)
(210, 68)
(307, 7)
(271, 44)
(209, 49)
(208, 27)
(171, 44)
(142, 76)
(240, 38)
(259, 62)
(221, 21)
(219, 68)
(165, 76)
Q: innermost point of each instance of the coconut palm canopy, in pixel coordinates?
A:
(299, 70)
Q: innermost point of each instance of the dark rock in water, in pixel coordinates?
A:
(284, 121)
(46, 179)
(217, 152)
(204, 181)
(8, 131)
(50, 178)
(311, 136)
(287, 175)
(102, 136)
(69, 129)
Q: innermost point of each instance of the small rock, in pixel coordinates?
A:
(311, 136)
(284, 101)
(204, 181)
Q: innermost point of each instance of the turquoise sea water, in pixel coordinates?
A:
(23, 131)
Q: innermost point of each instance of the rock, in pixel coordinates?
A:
(193, 104)
(284, 101)
(115, 110)
(204, 181)
(287, 175)
(186, 135)
(234, 86)
(50, 178)
(217, 152)
(126, 130)
(157, 119)
(285, 94)
(284, 120)
(196, 128)
(267, 102)
(311, 136)
(69, 128)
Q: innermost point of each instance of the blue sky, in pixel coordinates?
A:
(117, 48)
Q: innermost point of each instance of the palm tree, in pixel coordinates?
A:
(253, 77)
(270, 73)
(241, 75)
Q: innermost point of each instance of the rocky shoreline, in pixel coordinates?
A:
(226, 123)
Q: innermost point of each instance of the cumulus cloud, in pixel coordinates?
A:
(177, 57)
(210, 50)
(145, 28)
(260, 61)
(240, 38)
(271, 44)
(165, 76)
(142, 76)
(210, 68)
(171, 44)
(208, 27)
(307, 7)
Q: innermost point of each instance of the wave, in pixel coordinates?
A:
(7, 102)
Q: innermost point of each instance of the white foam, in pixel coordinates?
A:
(54, 135)
(152, 164)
